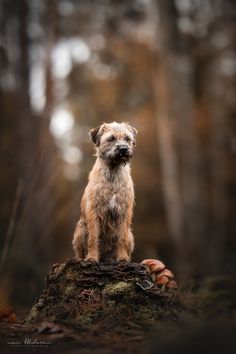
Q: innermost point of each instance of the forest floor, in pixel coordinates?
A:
(197, 320)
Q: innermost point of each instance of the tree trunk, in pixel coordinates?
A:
(84, 294)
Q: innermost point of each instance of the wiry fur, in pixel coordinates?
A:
(103, 232)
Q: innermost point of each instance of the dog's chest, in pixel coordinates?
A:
(112, 203)
(113, 206)
(116, 206)
(115, 209)
(113, 197)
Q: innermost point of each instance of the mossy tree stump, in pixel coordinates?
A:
(109, 294)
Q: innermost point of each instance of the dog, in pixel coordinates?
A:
(103, 233)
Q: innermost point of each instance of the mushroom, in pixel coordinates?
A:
(153, 265)
(159, 274)
(172, 284)
(166, 272)
(162, 280)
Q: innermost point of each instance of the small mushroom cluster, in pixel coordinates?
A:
(160, 274)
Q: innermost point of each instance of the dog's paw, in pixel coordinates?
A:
(91, 259)
(123, 259)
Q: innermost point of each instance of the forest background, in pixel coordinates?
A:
(167, 67)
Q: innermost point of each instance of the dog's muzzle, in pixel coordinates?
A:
(123, 152)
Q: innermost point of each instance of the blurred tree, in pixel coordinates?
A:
(27, 143)
(194, 88)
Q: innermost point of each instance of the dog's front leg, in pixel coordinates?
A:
(125, 244)
(93, 237)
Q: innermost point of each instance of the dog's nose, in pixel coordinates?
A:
(123, 149)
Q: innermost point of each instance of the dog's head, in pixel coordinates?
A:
(114, 142)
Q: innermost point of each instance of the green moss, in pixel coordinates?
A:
(59, 269)
(33, 315)
(69, 290)
(118, 290)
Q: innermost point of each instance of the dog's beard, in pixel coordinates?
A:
(116, 157)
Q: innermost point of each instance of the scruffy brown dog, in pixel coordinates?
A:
(103, 232)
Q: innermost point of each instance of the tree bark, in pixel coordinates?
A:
(84, 294)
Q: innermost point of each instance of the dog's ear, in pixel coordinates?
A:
(133, 131)
(95, 135)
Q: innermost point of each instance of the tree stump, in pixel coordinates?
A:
(85, 294)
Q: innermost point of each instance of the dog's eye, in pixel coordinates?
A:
(127, 138)
(111, 138)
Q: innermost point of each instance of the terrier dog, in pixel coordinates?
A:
(103, 232)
